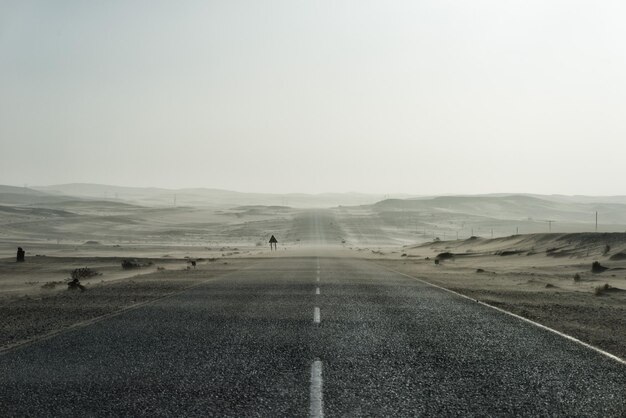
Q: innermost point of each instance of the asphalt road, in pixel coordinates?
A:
(281, 339)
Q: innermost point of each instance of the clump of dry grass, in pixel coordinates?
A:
(600, 290)
(444, 256)
(134, 264)
(84, 273)
(51, 285)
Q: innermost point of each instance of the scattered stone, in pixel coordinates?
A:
(596, 267)
(21, 254)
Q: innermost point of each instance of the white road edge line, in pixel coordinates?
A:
(316, 408)
(317, 290)
(537, 324)
(316, 315)
(88, 322)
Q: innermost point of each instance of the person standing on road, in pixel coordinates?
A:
(273, 242)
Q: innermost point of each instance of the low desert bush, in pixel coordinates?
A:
(445, 256)
(133, 264)
(51, 285)
(599, 290)
(130, 264)
(84, 273)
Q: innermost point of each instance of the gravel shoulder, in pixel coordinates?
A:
(546, 294)
(32, 316)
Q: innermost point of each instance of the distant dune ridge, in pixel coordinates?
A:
(493, 248)
(75, 213)
(207, 196)
(572, 245)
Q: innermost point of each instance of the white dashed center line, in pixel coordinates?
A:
(317, 290)
(316, 315)
(317, 406)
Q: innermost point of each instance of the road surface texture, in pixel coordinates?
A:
(311, 336)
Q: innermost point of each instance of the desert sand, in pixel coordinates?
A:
(542, 276)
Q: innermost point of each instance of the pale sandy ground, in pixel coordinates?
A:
(537, 282)
(533, 283)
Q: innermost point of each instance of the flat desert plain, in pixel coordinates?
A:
(545, 277)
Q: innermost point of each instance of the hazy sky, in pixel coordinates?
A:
(424, 97)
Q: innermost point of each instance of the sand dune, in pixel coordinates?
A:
(531, 273)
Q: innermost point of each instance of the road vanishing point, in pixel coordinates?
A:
(316, 335)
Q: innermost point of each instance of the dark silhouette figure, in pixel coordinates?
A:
(20, 254)
(273, 242)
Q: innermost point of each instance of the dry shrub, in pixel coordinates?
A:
(84, 273)
(599, 290)
(445, 256)
(133, 264)
(51, 285)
